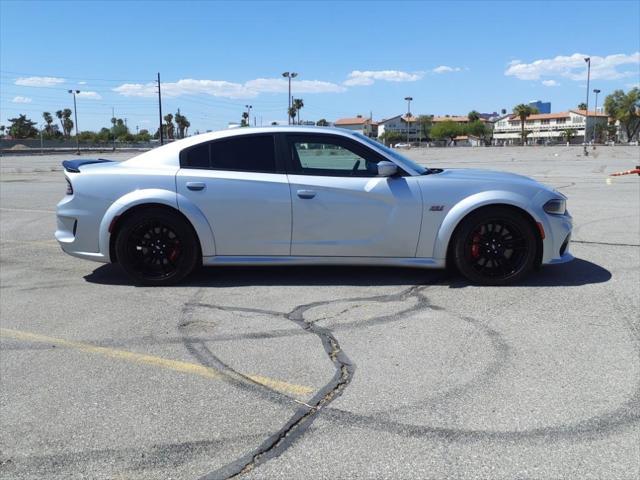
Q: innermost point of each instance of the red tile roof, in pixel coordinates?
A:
(352, 121)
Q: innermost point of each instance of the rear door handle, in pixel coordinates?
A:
(195, 186)
(306, 193)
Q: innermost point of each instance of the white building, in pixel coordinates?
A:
(358, 124)
(547, 127)
(403, 125)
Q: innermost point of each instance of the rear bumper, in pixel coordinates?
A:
(77, 231)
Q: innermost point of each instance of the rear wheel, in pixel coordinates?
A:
(495, 246)
(156, 246)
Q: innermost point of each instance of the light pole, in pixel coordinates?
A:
(75, 114)
(289, 75)
(408, 99)
(586, 116)
(596, 91)
(248, 107)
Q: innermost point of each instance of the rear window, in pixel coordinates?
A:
(253, 153)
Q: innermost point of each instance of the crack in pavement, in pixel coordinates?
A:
(304, 416)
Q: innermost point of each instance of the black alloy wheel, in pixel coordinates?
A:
(495, 246)
(156, 247)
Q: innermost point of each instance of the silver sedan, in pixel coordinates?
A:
(305, 196)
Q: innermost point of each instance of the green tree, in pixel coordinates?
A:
(48, 119)
(322, 123)
(391, 137)
(183, 124)
(22, 127)
(582, 106)
(625, 108)
(447, 130)
(425, 123)
(143, 135)
(522, 111)
(473, 116)
(2, 130)
(298, 103)
(119, 129)
(479, 130)
(244, 122)
(169, 127)
(65, 121)
(568, 134)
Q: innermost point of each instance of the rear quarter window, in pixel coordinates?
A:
(251, 153)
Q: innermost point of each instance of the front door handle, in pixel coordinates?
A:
(306, 193)
(195, 186)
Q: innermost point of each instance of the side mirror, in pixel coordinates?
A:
(387, 169)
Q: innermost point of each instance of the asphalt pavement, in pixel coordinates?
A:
(326, 372)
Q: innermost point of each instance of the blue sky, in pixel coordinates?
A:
(352, 57)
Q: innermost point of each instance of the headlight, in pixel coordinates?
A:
(557, 206)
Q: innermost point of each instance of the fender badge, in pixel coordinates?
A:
(436, 208)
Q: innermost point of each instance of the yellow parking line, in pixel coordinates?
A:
(175, 365)
(29, 210)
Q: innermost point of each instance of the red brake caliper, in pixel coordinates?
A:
(475, 246)
(174, 253)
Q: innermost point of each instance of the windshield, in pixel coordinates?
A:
(393, 153)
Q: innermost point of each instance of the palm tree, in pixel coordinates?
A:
(292, 113)
(48, 118)
(297, 105)
(169, 119)
(59, 115)
(245, 119)
(523, 111)
(473, 116)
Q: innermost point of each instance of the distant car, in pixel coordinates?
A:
(402, 145)
(305, 196)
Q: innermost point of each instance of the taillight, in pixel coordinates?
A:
(69, 187)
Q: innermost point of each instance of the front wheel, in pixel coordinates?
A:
(495, 246)
(156, 246)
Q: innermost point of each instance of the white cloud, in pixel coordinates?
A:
(82, 83)
(221, 88)
(39, 81)
(368, 77)
(90, 95)
(550, 83)
(20, 99)
(446, 69)
(574, 67)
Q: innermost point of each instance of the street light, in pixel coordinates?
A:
(408, 99)
(586, 117)
(248, 107)
(75, 114)
(596, 91)
(289, 75)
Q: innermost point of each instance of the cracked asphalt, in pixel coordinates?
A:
(326, 372)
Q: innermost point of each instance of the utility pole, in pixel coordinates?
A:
(289, 75)
(586, 116)
(408, 99)
(113, 128)
(160, 110)
(75, 114)
(596, 91)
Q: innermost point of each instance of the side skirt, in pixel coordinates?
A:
(285, 260)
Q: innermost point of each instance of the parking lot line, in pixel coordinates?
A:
(140, 358)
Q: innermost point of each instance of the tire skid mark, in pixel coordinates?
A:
(304, 416)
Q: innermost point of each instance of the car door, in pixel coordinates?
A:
(240, 187)
(341, 208)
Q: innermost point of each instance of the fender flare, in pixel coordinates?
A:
(163, 197)
(473, 202)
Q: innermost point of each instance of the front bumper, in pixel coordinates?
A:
(557, 240)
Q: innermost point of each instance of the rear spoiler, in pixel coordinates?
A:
(74, 165)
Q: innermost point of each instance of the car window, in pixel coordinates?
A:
(251, 153)
(332, 157)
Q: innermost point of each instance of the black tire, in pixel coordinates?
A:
(494, 246)
(156, 246)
